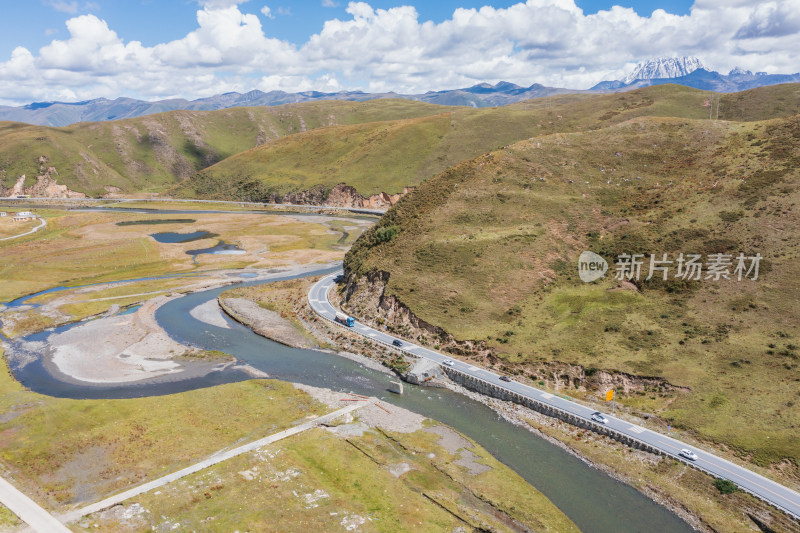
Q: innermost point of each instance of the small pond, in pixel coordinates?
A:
(171, 237)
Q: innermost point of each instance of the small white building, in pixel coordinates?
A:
(2, 213)
(22, 216)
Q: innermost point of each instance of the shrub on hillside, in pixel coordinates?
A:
(725, 486)
(385, 234)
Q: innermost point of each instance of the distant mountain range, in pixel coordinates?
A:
(687, 71)
(101, 109)
(691, 72)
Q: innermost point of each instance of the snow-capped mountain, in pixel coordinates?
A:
(663, 67)
(738, 71)
(691, 72)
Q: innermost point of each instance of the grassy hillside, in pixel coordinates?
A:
(376, 146)
(374, 157)
(155, 152)
(389, 155)
(488, 251)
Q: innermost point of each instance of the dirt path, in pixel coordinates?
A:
(42, 224)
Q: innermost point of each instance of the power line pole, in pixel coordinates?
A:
(711, 107)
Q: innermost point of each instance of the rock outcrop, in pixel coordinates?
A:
(345, 196)
(367, 298)
(46, 185)
(342, 195)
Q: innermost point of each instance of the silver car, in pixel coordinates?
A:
(599, 418)
(688, 454)
(449, 362)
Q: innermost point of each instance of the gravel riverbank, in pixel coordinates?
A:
(266, 323)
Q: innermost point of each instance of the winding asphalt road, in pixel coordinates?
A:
(781, 497)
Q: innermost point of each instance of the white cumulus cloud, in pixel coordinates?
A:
(552, 42)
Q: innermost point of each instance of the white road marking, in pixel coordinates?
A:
(636, 429)
(546, 395)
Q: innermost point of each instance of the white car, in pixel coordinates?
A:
(448, 362)
(599, 418)
(688, 454)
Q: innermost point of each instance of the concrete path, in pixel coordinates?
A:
(42, 224)
(214, 459)
(28, 511)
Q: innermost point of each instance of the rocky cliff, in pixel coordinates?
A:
(46, 185)
(342, 195)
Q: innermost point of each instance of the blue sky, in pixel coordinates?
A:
(72, 50)
(34, 23)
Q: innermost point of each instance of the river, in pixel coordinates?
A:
(594, 501)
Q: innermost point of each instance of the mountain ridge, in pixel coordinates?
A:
(60, 114)
(687, 70)
(251, 160)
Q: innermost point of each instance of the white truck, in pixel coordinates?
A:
(344, 319)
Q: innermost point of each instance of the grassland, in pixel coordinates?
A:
(488, 251)
(381, 481)
(386, 156)
(59, 255)
(8, 520)
(81, 248)
(327, 483)
(9, 228)
(104, 445)
(691, 494)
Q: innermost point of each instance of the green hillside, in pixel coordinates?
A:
(375, 146)
(487, 251)
(155, 152)
(389, 155)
